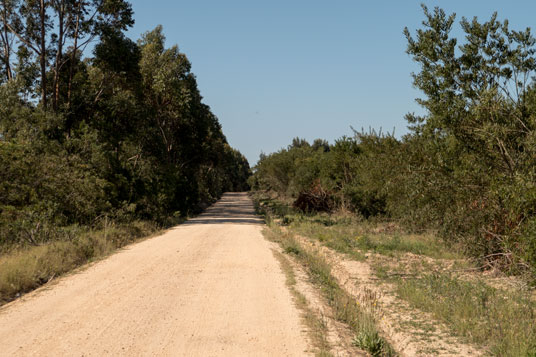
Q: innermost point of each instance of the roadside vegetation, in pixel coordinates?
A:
(113, 137)
(24, 269)
(500, 319)
(444, 216)
(360, 318)
(488, 310)
(316, 325)
(467, 168)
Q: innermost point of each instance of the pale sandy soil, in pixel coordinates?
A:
(339, 335)
(411, 332)
(209, 287)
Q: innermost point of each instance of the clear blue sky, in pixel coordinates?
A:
(274, 70)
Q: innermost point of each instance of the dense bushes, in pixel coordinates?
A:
(117, 136)
(468, 166)
(311, 173)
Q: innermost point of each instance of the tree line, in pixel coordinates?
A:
(93, 124)
(467, 168)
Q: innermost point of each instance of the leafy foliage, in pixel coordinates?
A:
(120, 135)
(467, 168)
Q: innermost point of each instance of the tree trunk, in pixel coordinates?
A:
(7, 46)
(43, 55)
(73, 54)
(59, 55)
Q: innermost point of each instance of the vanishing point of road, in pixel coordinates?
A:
(208, 287)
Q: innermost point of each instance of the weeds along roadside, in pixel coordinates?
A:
(346, 309)
(27, 268)
(499, 320)
(355, 237)
(317, 326)
(443, 283)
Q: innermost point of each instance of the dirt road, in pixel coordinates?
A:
(209, 287)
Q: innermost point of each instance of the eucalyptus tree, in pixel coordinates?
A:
(56, 32)
(169, 93)
(7, 38)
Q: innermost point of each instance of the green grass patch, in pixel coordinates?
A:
(351, 235)
(347, 236)
(503, 320)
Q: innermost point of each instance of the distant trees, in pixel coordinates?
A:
(468, 166)
(122, 133)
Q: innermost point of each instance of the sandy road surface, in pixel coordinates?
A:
(209, 287)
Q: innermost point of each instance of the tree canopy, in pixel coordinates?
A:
(120, 132)
(467, 168)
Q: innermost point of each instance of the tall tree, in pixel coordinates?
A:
(167, 91)
(89, 19)
(29, 22)
(7, 38)
(58, 31)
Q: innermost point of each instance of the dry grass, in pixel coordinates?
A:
(353, 236)
(430, 276)
(346, 309)
(317, 326)
(502, 320)
(27, 268)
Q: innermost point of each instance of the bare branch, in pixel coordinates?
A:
(20, 37)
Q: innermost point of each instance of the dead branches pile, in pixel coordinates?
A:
(315, 199)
